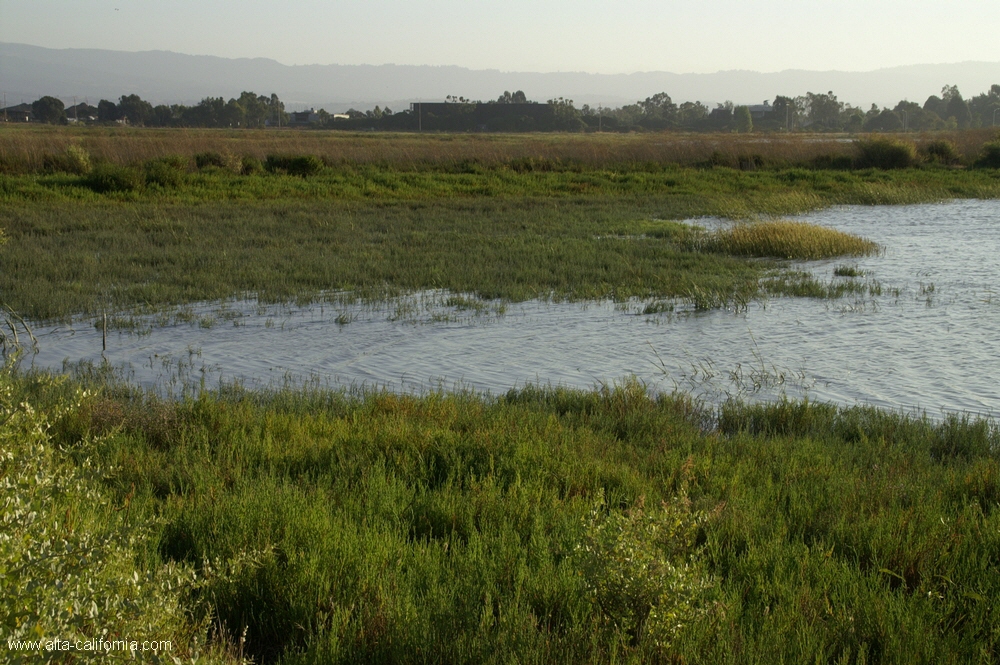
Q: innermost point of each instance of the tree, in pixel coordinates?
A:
(50, 110)
(744, 121)
(659, 107)
(255, 108)
(135, 110)
(824, 110)
(163, 116)
(276, 111)
(512, 98)
(107, 111)
(985, 107)
(935, 104)
(955, 106)
(885, 121)
(206, 113)
(786, 112)
(690, 113)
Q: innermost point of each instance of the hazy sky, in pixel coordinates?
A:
(529, 35)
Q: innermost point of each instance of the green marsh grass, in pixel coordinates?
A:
(381, 233)
(64, 260)
(454, 527)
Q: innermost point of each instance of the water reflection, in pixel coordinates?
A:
(928, 341)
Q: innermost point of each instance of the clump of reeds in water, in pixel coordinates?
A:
(786, 240)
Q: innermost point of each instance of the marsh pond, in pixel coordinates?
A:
(922, 333)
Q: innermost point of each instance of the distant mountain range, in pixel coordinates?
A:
(162, 77)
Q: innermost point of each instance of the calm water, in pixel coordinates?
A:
(929, 341)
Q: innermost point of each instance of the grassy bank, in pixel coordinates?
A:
(540, 526)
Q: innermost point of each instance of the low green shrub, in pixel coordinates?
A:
(167, 172)
(75, 160)
(750, 162)
(989, 158)
(108, 178)
(206, 159)
(884, 153)
(940, 152)
(69, 558)
(642, 571)
(250, 165)
(300, 165)
(833, 162)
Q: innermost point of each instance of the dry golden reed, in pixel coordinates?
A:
(27, 147)
(787, 240)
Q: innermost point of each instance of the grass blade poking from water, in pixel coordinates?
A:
(786, 240)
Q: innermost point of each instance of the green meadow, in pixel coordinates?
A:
(543, 525)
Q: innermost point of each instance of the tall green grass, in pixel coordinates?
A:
(542, 525)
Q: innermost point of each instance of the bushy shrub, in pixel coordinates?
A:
(107, 178)
(750, 162)
(206, 159)
(940, 152)
(68, 557)
(884, 153)
(300, 165)
(989, 158)
(75, 160)
(250, 166)
(642, 570)
(833, 162)
(166, 171)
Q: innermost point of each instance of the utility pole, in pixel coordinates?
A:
(420, 117)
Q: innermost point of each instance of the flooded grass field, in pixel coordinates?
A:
(916, 330)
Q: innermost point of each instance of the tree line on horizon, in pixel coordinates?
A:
(513, 112)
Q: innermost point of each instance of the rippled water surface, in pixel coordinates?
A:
(929, 340)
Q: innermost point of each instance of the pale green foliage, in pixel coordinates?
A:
(77, 159)
(642, 570)
(68, 565)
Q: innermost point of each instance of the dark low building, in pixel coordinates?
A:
(482, 117)
(19, 113)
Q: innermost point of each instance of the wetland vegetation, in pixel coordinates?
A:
(541, 525)
(538, 526)
(110, 220)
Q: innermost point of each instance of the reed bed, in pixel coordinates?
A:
(26, 149)
(786, 240)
